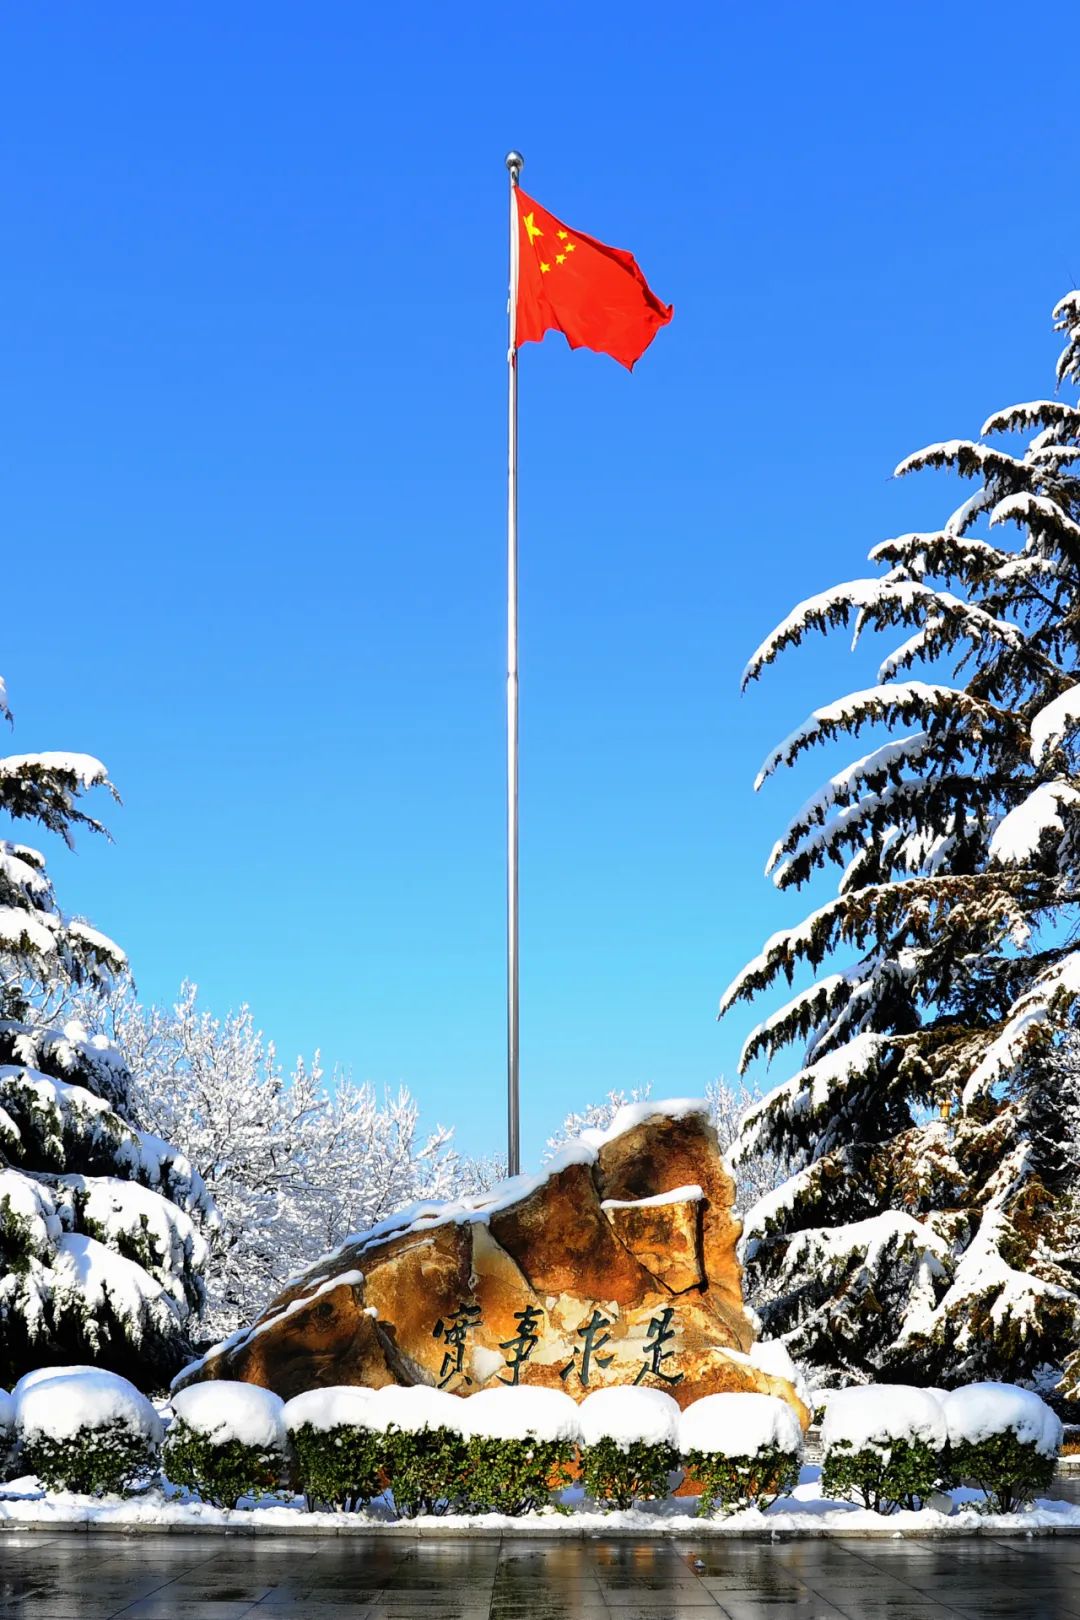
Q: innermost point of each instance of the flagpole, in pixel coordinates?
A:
(514, 163)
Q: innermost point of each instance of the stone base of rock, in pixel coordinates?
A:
(616, 1266)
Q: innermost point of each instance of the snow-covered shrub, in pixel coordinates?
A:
(86, 1430)
(630, 1445)
(227, 1441)
(521, 1443)
(424, 1446)
(743, 1450)
(339, 1455)
(883, 1445)
(1003, 1438)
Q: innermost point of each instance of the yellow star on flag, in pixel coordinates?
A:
(544, 268)
(532, 227)
(560, 258)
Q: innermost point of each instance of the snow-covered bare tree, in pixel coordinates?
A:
(925, 1232)
(100, 1247)
(293, 1164)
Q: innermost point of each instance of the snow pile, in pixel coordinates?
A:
(222, 1411)
(977, 1412)
(518, 1412)
(61, 1404)
(627, 1414)
(339, 1406)
(7, 1412)
(875, 1416)
(739, 1425)
(415, 1407)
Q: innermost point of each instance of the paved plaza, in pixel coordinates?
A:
(79, 1577)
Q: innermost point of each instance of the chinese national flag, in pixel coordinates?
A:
(571, 283)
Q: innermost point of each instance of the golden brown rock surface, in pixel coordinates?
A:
(618, 1266)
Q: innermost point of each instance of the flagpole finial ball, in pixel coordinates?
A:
(515, 163)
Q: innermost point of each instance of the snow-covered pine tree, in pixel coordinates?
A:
(928, 1230)
(100, 1248)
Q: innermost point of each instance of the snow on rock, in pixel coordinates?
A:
(64, 1402)
(415, 1407)
(772, 1356)
(224, 1411)
(976, 1412)
(877, 1415)
(691, 1194)
(1054, 723)
(625, 1414)
(1019, 835)
(739, 1425)
(337, 1407)
(630, 1115)
(7, 1412)
(518, 1412)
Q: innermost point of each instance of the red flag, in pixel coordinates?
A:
(571, 283)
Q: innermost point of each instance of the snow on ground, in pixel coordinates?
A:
(805, 1513)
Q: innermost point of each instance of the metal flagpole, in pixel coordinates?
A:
(514, 163)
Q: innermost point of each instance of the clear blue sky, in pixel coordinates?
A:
(252, 288)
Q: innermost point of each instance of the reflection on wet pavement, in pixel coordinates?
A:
(80, 1577)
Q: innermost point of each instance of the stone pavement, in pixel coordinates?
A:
(80, 1577)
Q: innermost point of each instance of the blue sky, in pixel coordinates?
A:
(252, 297)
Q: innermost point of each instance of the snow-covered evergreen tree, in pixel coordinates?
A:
(926, 1232)
(293, 1164)
(100, 1248)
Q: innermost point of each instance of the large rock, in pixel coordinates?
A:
(616, 1266)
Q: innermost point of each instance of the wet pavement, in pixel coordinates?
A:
(79, 1577)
